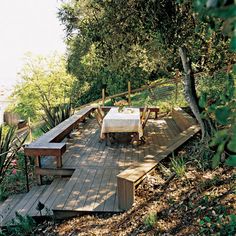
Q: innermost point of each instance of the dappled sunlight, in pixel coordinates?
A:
(95, 165)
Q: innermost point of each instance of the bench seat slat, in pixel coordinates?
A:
(61, 130)
(50, 149)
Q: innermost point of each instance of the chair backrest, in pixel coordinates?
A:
(144, 113)
(98, 117)
(144, 121)
(99, 110)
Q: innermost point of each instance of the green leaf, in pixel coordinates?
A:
(232, 145)
(219, 137)
(221, 147)
(234, 68)
(207, 219)
(203, 100)
(232, 217)
(215, 160)
(212, 108)
(233, 44)
(225, 12)
(222, 114)
(231, 161)
(202, 222)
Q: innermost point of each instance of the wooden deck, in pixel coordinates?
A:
(93, 184)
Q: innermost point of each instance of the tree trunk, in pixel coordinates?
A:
(190, 91)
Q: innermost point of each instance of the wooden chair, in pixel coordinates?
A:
(143, 115)
(101, 113)
(144, 122)
(99, 118)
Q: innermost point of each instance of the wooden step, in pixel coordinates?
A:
(8, 205)
(24, 205)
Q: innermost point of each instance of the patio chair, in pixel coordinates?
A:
(143, 115)
(144, 122)
(98, 117)
(101, 113)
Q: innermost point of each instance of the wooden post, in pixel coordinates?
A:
(30, 130)
(103, 97)
(129, 91)
(176, 85)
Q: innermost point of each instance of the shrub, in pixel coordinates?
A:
(21, 225)
(54, 116)
(150, 220)
(178, 166)
(10, 144)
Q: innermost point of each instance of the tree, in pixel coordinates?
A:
(114, 41)
(45, 82)
(130, 38)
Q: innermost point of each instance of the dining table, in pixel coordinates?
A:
(122, 120)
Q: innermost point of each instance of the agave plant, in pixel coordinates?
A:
(9, 146)
(54, 116)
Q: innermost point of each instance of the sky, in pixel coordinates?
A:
(27, 26)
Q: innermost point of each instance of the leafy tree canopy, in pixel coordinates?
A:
(45, 82)
(111, 42)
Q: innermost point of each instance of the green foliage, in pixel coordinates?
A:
(37, 132)
(222, 224)
(55, 115)
(201, 154)
(224, 10)
(3, 193)
(178, 166)
(219, 105)
(150, 220)
(45, 82)
(21, 225)
(9, 146)
(109, 45)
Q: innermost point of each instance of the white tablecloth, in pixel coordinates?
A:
(127, 120)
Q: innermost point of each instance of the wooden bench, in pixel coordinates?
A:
(154, 110)
(131, 177)
(49, 143)
(182, 119)
(128, 179)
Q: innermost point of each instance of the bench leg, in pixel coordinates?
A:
(125, 191)
(59, 161)
(155, 115)
(38, 164)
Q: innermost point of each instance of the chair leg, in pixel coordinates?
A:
(135, 139)
(143, 140)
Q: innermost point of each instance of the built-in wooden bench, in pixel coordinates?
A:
(131, 177)
(154, 110)
(128, 179)
(182, 119)
(49, 143)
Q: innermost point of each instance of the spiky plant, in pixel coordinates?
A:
(9, 146)
(54, 116)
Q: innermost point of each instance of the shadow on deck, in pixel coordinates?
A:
(92, 187)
